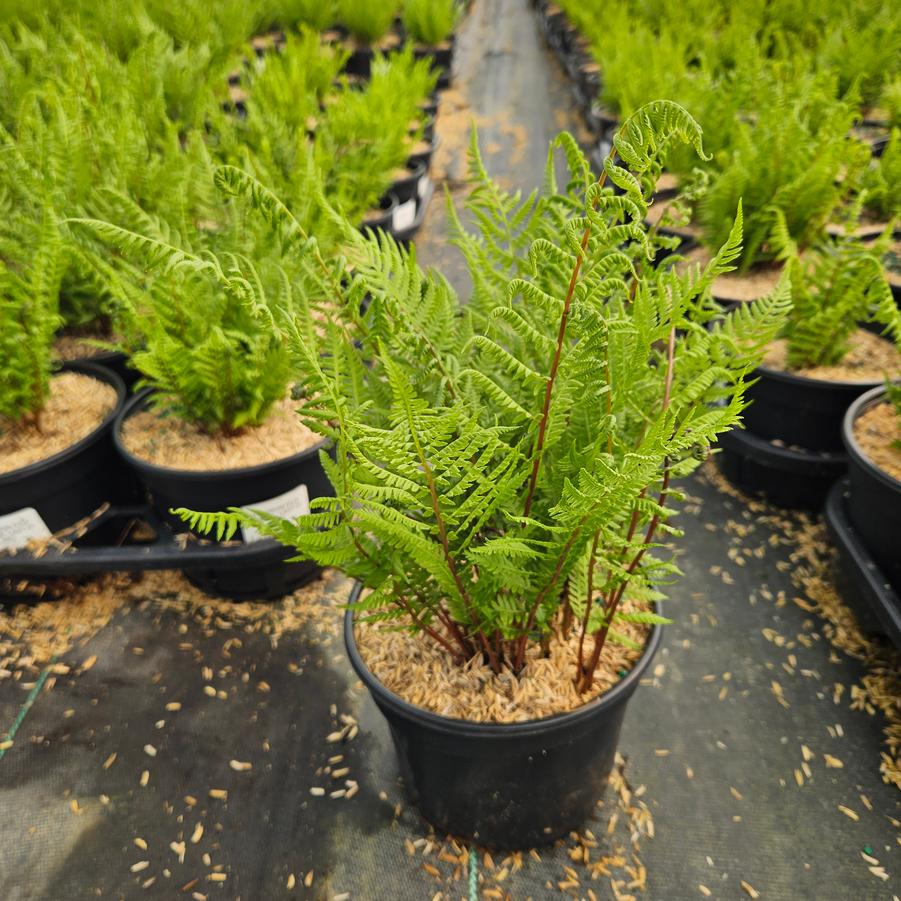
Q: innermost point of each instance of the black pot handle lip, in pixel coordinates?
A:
(101, 373)
(212, 475)
(857, 409)
(454, 726)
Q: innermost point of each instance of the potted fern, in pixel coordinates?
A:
(504, 475)
(830, 352)
(872, 436)
(783, 161)
(369, 26)
(430, 24)
(57, 463)
(215, 419)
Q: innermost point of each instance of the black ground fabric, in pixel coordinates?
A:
(172, 753)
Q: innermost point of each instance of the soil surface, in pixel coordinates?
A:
(869, 359)
(77, 405)
(878, 432)
(78, 347)
(661, 207)
(165, 440)
(423, 673)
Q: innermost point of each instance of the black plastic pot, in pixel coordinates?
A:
(859, 579)
(602, 122)
(407, 188)
(210, 491)
(800, 411)
(117, 361)
(553, 21)
(442, 57)
(429, 106)
(505, 785)
(424, 156)
(407, 193)
(428, 129)
(75, 482)
(789, 477)
(874, 497)
(359, 62)
(385, 219)
(587, 85)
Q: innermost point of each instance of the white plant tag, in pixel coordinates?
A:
(404, 215)
(20, 527)
(289, 505)
(423, 186)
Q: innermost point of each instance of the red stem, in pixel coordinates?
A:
(558, 350)
(611, 606)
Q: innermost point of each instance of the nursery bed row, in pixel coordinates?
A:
(801, 434)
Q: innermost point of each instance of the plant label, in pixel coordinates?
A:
(20, 527)
(423, 186)
(404, 215)
(290, 505)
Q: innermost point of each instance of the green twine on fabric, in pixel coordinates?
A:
(473, 875)
(23, 712)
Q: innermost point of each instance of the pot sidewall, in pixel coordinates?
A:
(514, 785)
(800, 411)
(874, 498)
(217, 490)
(73, 483)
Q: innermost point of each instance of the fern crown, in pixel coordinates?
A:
(500, 460)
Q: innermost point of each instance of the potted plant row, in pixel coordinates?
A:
(838, 343)
(57, 462)
(372, 143)
(505, 475)
(781, 124)
(366, 28)
(214, 416)
(66, 147)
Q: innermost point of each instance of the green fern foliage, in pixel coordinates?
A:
(489, 455)
(430, 21)
(882, 181)
(835, 289)
(367, 21)
(785, 162)
(893, 396)
(203, 332)
(29, 293)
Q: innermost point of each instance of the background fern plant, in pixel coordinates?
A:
(430, 21)
(783, 163)
(834, 290)
(367, 21)
(29, 317)
(201, 330)
(506, 467)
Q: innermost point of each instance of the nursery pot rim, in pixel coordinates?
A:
(94, 370)
(472, 729)
(855, 451)
(414, 171)
(781, 375)
(198, 475)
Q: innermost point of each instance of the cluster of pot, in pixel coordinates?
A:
(402, 209)
(798, 447)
